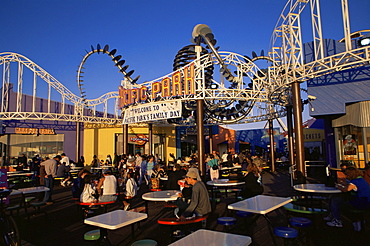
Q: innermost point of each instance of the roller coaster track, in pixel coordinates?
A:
(286, 65)
(22, 111)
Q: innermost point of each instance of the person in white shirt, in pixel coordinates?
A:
(65, 159)
(109, 182)
(88, 193)
(224, 157)
(130, 190)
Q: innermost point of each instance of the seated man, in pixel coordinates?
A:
(109, 182)
(199, 204)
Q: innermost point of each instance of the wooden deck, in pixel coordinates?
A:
(65, 227)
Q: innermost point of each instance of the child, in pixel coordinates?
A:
(130, 191)
(88, 193)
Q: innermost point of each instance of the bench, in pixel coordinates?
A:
(176, 221)
(92, 205)
(170, 205)
(304, 210)
(138, 210)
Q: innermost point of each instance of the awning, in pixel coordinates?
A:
(357, 114)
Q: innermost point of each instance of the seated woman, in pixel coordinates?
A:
(253, 184)
(157, 173)
(79, 183)
(130, 190)
(109, 182)
(359, 198)
(88, 192)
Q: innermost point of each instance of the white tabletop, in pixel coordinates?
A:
(16, 192)
(213, 238)
(19, 174)
(225, 182)
(34, 189)
(316, 188)
(260, 204)
(163, 195)
(230, 168)
(77, 168)
(115, 219)
(106, 167)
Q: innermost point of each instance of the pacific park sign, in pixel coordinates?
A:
(181, 83)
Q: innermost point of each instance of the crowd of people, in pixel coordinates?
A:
(127, 173)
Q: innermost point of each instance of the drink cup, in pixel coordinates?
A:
(182, 184)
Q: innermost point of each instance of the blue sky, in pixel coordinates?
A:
(148, 34)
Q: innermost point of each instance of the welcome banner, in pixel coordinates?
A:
(154, 111)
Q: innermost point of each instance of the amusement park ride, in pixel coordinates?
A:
(207, 86)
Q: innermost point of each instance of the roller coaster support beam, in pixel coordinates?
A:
(200, 137)
(150, 140)
(124, 139)
(272, 147)
(289, 119)
(297, 110)
(78, 140)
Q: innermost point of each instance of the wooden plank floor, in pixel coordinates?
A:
(64, 225)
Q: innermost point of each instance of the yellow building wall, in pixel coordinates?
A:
(100, 141)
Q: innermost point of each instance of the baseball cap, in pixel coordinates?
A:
(192, 174)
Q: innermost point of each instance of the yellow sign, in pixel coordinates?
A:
(181, 83)
(34, 131)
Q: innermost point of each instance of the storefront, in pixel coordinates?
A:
(342, 100)
(186, 140)
(103, 140)
(314, 144)
(36, 138)
(352, 132)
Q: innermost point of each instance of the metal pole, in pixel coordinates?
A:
(272, 147)
(200, 137)
(125, 139)
(78, 139)
(366, 150)
(289, 119)
(210, 139)
(297, 110)
(150, 128)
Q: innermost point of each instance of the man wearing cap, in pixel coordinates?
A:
(199, 204)
(50, 173)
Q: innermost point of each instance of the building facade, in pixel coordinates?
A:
(343, 102)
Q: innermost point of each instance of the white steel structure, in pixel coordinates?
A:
(252, 94)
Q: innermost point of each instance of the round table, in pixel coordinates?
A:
(224, 183)
(316, 188)
(311, 190)
(160, 196)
